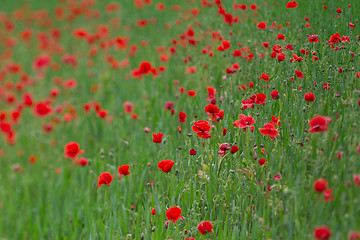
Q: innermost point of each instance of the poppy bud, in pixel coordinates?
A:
(224, 131)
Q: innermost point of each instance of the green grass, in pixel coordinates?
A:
(41, 203)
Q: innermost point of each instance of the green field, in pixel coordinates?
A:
(280, 85)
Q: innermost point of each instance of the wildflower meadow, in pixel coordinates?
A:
(182, 120)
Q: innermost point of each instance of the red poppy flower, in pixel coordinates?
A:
(205, 227)
(292, 4)
(280, 37)
(202, 129)
(234, 149)
(281, 57)
(42, 109)
(354, 236)
(27, 99)
(224, 131)
(270, 130)
(322, 233)
(309, 97)
(320, 185)
(244, 122)
(277, 177)
(191, 93)
(211, 93)
(262, 162)
(265, 45)
(145, 67)
(212, 109)
(237, 53)
(274, 94)
(261, 25)
(277, 48)
(182, 116)
(248, 103)
(157, 137)
(32, 159)
(299, 74)
(356, 179)
(334, 39)
(260, 98)
(104, 178)
(192, 152)
(124, 170)
(265, 77)
(83, 162)
(72, 149)
(214, 112)
(313, 38)
(327, 195)
(165, 165)
(225, 45)
(319, 124)
(173, 214)
(275, 120)
(128, 107)
(224, 146)
(339, 10)
(102, 113)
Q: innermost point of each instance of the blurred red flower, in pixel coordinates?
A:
(124, 170)
(173, 214)
(292, 4)
(157, 137)
(319, 124)
(322, 233)
(165, 165)
(72, 149)
(104, 178)
(205, 227)
(202, 129)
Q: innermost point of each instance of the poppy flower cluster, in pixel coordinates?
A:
(258, 98)
(214, 112)
(105, 77)
(321, 186)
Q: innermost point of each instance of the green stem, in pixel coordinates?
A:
(105, 198)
